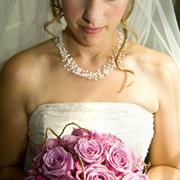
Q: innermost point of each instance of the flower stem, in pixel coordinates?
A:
(46, 136)
(82, 165)
(67, 126)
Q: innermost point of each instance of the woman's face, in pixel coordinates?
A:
(90, 21)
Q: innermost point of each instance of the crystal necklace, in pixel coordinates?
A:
(71, 66)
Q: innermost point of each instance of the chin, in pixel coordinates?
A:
(90, 41)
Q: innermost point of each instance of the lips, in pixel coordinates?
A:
(92, 30)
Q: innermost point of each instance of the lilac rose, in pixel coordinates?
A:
(90, 150)
(41, 150)
(107, 139)
(69, 142)
(52, 143)
(81, 132)
(57, 162)
(119, 158)
(96, 171)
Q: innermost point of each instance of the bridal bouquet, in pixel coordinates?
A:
(85, 155)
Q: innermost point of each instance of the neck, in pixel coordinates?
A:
(91, 54)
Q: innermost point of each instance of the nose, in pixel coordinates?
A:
(92, 11)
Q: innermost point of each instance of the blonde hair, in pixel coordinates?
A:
(126, 29)
(57, 13)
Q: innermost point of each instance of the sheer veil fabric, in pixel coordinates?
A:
(155, 23)
(21, 26)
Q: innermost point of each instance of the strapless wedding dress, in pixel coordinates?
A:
(132, 123)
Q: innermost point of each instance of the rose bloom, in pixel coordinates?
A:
(107, 139)
(90, 150)
(135, 176)
(41, 150)
(69, 142)
(96, 171)
(57, 162)
(119, 158)
(82, 133)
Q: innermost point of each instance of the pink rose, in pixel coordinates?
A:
(119, 158)
(52, 143)
(41, 150)
(69, 142)
(107, 139)
(135, 176)
(90, 150)
(57, 162)
(83, 133)
(96, 171)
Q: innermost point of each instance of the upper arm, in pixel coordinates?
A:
(165, 147)
(13, 117)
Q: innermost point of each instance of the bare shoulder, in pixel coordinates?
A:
(154, 63)
(159, 70)
(24, 74)
(27, 65)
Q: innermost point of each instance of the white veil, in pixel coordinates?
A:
(155, 23)
(21, 25)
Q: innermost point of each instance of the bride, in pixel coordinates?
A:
(91, 74)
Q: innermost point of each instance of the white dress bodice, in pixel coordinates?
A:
(132, 123)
